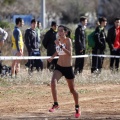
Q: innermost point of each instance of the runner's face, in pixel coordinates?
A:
(61, 32)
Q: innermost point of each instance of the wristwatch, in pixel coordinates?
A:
(61, 46)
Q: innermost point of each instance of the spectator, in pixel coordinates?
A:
(100, 45)
(17, 46)
(32, 42)
(38, 29)
(113, 39)
(80, 41)
(49, 44)
(4, 36)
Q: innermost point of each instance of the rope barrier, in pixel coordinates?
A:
(47, 57)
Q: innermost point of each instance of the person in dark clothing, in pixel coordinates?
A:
(80, 41)
(49, 44)
(100, 45)
(113, 39)
(32, 43)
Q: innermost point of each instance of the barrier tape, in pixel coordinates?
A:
(47, 57)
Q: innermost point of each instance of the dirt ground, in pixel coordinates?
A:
(32, 102)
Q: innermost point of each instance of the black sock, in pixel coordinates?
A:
(76, 106)
(55, 103)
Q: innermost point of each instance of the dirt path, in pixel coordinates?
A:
(31, 102)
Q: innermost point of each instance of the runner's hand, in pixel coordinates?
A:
(57, 42)
(50, 59)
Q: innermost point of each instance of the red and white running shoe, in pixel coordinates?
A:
(53, 108)
(77, 113)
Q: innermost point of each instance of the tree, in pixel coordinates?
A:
(71, 10)
(11, 7)
(8, 2)
(68, 10)
(112, 10)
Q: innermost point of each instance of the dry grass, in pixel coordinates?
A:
(44, 77)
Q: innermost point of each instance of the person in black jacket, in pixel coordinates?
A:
(80, 41)
(100, 45)
(32, 42)
(49, 44)
(112, 38)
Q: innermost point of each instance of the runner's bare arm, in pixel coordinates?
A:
(52, 57)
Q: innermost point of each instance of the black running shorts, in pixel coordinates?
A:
(66, 71)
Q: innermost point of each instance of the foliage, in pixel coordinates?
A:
(4, 24)
(11, 7)
(70, 10)
(112, 11)
(8, 2)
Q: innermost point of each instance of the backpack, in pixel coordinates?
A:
(5, 70)
(91, 39)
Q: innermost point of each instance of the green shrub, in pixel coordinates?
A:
(4, 24)
(8, 2)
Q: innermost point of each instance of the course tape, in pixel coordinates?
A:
(47, 57)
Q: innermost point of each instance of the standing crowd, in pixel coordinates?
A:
(32, 41)
(57, 42)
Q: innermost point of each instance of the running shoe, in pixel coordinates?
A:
(53, 108)
(78, 113)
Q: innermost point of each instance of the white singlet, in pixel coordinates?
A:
(60, 50)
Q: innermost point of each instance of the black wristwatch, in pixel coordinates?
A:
(61, 46)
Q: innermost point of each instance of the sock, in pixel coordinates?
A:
(76, 106)
(55, 103)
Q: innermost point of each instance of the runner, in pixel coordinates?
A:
(63, 68)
